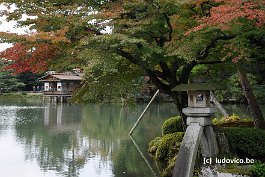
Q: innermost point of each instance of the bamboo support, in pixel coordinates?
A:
(141, 116)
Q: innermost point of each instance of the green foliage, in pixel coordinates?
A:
(233, 121)
(259, 92)
(104, 81)
(246, 142)
(169, 146)
(152, 146)
(29, 79)
(165, 150)
(167, 172)
(172, 125)
(234, 89)
(8, 82)
(258, 169)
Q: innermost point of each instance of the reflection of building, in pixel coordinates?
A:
(61, 117)
(59, 86)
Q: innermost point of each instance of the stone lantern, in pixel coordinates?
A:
(199, 131)
(198, 93)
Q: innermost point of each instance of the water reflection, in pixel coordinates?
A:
(59, 118)
(51, 140)
(68, 140)
(74, 141)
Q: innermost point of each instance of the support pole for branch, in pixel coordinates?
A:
(219, 105)
(141, 116)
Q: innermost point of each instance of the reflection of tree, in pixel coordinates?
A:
(127, 162)
(110, 121)
(110, 125)
(54, 150)
(63, 138)
(105, 122)
(3, 116)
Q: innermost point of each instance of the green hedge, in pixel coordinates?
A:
(258, 169)
(233, 121)
(164, 150)
(168, 146)
(246, 142)
(172, 125)
(152, 147)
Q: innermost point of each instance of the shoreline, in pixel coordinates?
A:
(25, 94)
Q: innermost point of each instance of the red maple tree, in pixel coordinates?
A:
(229, 10)
(29, 58)
(222, 16)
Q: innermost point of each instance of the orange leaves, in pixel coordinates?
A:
(52, 37)
(233, 9)
(110, 11)
(32, 52)
(107, 15)
(222, 15)
(29, 58)
(10, 37)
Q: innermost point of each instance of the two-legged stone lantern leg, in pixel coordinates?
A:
(199, 130)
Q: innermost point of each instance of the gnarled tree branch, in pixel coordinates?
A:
(205, 52)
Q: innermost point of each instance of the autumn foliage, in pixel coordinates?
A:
(29, 58)
(222, 15)
(32, 52)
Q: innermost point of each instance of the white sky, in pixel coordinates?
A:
(9, 27)
(6, 27)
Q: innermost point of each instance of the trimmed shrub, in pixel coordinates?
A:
(233, 121)
(165, 149)
(258, 169)
(152, 146)
(167, 172)
(172, 125)
(246, 142)
(169, 146)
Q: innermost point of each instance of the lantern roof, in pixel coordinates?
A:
(197, 86)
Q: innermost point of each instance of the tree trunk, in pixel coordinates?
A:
(251, 99)
(180, 100)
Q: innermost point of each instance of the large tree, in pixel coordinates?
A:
(246, 21)
(151, 35)
(155, 37)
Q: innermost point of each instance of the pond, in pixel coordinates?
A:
(54, 140)
(46, 139)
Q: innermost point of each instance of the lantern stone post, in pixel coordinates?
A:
(199, 131)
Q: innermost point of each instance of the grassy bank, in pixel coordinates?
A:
(22, 94)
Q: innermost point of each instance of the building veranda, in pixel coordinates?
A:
(58, 87)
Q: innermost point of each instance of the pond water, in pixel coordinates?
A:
(54, 140)
(45, 139)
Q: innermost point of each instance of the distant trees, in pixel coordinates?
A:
(30, 81)
(8, 82)
(16, 82)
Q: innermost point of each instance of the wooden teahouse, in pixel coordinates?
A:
(60, 86)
